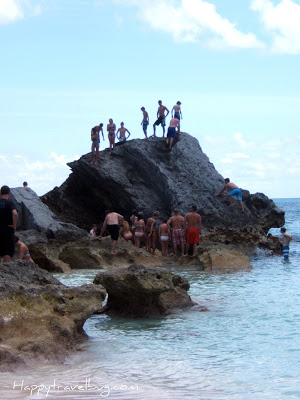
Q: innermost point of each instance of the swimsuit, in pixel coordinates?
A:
(193, 235)
(145, 124)
(178, 236)
(177, 115)
(122, 139)
(96, 143)
(112, 134)
(27, 255)
(160, 120)
(171, 132)
(113, 230)
(164, 238)
(138, 234)
(236, 192)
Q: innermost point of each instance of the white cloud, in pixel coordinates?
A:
(10, 11)
(13, 10)
(193, 21)
(281, 21)
(42, 175)
(239, 138)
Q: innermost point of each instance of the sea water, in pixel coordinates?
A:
(247, 346)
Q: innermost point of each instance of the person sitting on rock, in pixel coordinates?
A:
(139, 232)
(93, 230)
(23, 249)
(233, 190)
(164, 234)
(111, 223)
(121, 133)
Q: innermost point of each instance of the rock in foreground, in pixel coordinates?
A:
(40, 318)
(144, 292)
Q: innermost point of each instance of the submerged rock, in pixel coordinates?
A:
(41, 320)
(144, 175)
(144, 292)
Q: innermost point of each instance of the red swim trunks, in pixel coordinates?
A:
(193, 235)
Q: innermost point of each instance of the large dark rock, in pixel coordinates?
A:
(40, 318)
(143, 174)
(144, 292)
(33, 214)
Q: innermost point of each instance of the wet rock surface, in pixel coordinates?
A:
(41, 320)
(144, 292)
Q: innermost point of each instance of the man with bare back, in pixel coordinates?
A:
(111, 224)
(111, 128)
(95, 138)
(177, 226)
(145, 121)
(174, 123)
(177, 111)
(151, 232)
(194, 228)
(233, 190)
(161, 117)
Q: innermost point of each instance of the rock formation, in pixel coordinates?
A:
(141, 292)
(144, 175)
(41, 320)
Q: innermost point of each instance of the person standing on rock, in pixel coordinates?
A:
(121, 133)
(145, 121)
(286, 239)
(193, 223)
(8, 225)
(111, 128)
(177, 226)
(233, 190)
(174, 123)
(164, 237)
(151, 232)
(177, 111)
(139, 231)
(111, 224)
(95, 138)
(161, 117)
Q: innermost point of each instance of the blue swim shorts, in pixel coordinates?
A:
(171, 132)
(236, 192)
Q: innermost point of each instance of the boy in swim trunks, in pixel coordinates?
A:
(95, 137)
(161, 117)
(177, 111)
(121, 133)
(111, 223)
(286, 239)
(233, 190)
(177, 226)
(23, 249)
(193, 223)
(145, 121)
(174, 123)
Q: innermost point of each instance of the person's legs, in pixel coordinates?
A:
(171, 143)
(113, 246)
(154, 129)
(228, 199)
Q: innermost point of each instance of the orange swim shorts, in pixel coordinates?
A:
(193, 235)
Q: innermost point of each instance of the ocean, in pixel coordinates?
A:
(247, 346)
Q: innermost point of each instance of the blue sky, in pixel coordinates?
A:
(67, 65)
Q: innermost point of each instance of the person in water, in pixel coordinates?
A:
(286, 239)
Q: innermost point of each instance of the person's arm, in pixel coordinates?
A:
(128, 133)
(167, 112)
(169, 222)
(218, 194)
(102, 134)
(15, 219)
(178, 126)
(172, 112)
(159, 231)
(108, 127)
(118, 133)
(180, 113)
(151, 228)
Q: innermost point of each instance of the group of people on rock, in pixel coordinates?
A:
(184, 232)
(162, 113)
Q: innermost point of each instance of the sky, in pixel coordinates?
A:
(67, 65)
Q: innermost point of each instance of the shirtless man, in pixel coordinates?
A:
(95, 138)
(194, 229)
(111, 128)
(177, 226)
(111, 224)
(233, 190)
(23, 250)
(121, 133)
(174, 123)
(145, 121)
(177, 110)
(151, 232)
(286, 239)
(161, 117)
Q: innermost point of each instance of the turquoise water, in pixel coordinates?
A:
(247, 346)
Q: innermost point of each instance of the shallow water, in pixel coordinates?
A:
(246, 347)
